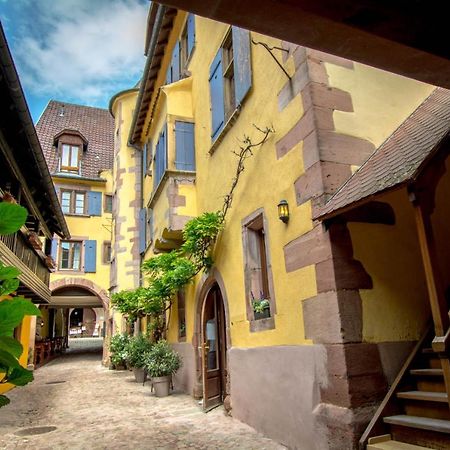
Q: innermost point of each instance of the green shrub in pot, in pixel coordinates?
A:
(136, 351)
(161, 363)
(117, 347)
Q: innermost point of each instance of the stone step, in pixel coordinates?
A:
(424, 396)
(427, 372)
(422, 423)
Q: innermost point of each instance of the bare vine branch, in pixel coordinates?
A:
(244, 153)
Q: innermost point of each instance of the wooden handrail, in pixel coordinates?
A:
(389, 406)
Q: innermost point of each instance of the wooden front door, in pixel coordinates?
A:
(213, 349)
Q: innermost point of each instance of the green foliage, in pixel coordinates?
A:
(137, 350)
(162, 360)
(12, 310)
(259, 305)
(12, 217)
(199, 235)
(117, 347)
(137, 303)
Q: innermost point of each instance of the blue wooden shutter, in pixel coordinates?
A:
(217, 101)
(176, 62)
(190, 34)
(184, 144)
(94, 203)
(142, 230)
(242, 63)
(54, 249)
(90, 256)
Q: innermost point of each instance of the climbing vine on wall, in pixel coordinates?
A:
(167, 273)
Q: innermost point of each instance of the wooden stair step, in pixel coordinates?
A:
(427, 372)
(394, 445)
(424, 396)
(428, 350)
(423, 423)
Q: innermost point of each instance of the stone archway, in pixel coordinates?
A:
(92, 288)
(82, 283)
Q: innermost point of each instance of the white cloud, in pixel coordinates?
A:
(82, 49)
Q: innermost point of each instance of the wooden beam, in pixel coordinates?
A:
(435, 288)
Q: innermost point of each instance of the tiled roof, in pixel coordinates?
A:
(95, 124)
(399, 158)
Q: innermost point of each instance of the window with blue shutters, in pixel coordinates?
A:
(184, 146)
(187, 42)
(94, 203)
(90, 256)
(160, 157)
(182, 52)
(230, 77)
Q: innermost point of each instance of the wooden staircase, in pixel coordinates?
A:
(415, 413)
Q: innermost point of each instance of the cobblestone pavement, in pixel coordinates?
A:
(90, 407)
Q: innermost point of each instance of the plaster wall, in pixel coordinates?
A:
(396, 308)
(127, 202)
(381, 100)
(24, 338)
(98, 228)
(277, 389)
(214, 177)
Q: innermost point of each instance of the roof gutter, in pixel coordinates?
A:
(23, 112)
(153, 41)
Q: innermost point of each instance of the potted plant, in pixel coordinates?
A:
(117, 347)
(136, 351)
(161, 363)
(261, 308)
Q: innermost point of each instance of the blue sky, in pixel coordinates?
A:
(77, 51)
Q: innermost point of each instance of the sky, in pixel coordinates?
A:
(75, 51)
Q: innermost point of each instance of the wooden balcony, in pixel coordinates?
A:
(35, 275)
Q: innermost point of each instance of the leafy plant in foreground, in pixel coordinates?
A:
(12, 308)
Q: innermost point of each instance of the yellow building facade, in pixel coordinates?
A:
(78, 145)
(311, 363)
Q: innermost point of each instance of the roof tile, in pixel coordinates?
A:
(96, 124)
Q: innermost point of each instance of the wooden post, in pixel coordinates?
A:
(439, 308)
(437, 300)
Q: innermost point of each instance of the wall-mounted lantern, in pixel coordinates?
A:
(283, 211)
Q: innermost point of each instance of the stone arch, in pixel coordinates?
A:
(85, 284)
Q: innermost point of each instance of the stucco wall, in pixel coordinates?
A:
(396, 308)
(97, 228)
(276, 389)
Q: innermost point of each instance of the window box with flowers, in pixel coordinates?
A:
(261, 308)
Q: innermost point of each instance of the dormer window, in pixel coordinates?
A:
(71, 145)
(70, 158)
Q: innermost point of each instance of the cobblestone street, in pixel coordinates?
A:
(86, 406)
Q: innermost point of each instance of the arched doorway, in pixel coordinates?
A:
(72, 294)
(213, 348)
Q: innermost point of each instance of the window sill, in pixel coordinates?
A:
(76, 215)
(159, 188)
(262, 324)
(230, 122)
(68, 271)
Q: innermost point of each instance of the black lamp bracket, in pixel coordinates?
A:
(270, 50)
